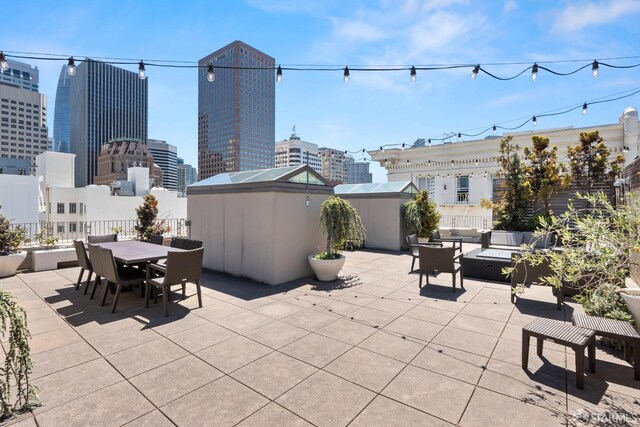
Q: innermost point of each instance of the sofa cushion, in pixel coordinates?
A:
(538, 242)
(506, 238)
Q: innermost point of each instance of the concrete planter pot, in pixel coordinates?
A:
(326, 269)
(632, 298)
(9, 263)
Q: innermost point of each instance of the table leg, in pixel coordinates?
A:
(636, 359)
(579, 367)
(525, 349)
(592, 355)
(540, 345)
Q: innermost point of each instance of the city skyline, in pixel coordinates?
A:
(373, 109)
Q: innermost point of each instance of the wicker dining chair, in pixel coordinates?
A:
(84, 262)
(442, 260)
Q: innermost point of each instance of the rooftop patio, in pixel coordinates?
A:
(370, 349)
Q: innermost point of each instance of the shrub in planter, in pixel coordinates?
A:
(421, 215)
(10, 240)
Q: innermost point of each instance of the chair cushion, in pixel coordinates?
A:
(506, 238)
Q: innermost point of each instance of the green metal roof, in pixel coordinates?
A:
(376, 188)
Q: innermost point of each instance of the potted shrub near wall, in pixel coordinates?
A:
(342, 223)
(10, 255)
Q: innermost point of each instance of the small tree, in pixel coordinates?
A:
(421, 215)
(589, 161)
(147, 215)
(10, 237)
(341, 222)
(543, 172)
(510, 211)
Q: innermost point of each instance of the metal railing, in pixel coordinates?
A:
(38, 232)
(466, 221)
(458, 199)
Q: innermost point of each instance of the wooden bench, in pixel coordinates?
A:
(565, 334)
(614, 329)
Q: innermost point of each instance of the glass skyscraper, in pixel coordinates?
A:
(166, 157)
(236, 111)
(61, 127)
(106, 103)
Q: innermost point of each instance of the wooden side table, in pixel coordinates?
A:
(614, 329)
(565, 334)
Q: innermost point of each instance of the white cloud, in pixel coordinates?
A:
(356, 31)
(509, 7)
(576, 16)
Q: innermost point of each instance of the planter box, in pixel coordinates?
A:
(48, 259)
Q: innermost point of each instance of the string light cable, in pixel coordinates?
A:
(279, 70)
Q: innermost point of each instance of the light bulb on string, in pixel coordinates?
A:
(279, 74)
(71, 66)
(475, 72)
(459, 137)
(346, 74)
(141, 72)
(584, 108)
(211, 75)
(413, 74)
(534, 120)
(594, 68)
(429, 142)
(494, 129)
(4, 65)
(534, 72)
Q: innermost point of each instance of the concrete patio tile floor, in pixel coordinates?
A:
(370, 349)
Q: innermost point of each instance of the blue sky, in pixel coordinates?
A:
(374, 108)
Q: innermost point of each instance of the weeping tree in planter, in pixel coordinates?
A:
(421, 215)
(342, 223)
(17, 362)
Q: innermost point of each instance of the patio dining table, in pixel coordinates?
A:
(137, 252)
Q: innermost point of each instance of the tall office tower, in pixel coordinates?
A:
(236, 111)
(333, 168)
(21, 75)
(187, 175)
(23, 111)
(294, 151)
(166, 157)
(106, 103)
(61, 127)
(357, 172)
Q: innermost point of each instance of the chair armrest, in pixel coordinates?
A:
(427, 244)
(156, 267)
(460, 255)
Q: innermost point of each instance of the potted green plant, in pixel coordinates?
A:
(10, 255)
(421, 215)
(341, 223)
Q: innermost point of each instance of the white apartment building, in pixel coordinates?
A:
(294, 152)
(71, 209)
(459, 175)
(333, 165)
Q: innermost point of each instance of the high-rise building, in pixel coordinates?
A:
(187, 175)
(294, 151)
(166, 157)
(61, 126)
(357, 172)
(23, 114)
(333, 168)
(236, 111)
(21, 75)
(118, 155)
(106, 103)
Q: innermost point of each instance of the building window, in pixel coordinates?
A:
(81, 208)
(72, 208)
(60, 208)
(73, 227)
(422, 183)
(60, 228)
(82, 227)
(431, 185)
(462, 189)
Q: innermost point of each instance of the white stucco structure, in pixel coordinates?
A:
(459, 175)
(19, 198)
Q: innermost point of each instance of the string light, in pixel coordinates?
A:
(594, 69)
(4, 65)
(459, 136)
(413, 74)
(346, 74)
(534, 72)
(584, 108)
(534, 120)
(71, 66)
(141, 72)
(279, 74)
(475, 72)
(429, 142)
(211, 76)
(494, 129)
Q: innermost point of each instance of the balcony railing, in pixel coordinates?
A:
(466, 221)
(68, 231)
(458, 199)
